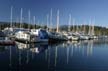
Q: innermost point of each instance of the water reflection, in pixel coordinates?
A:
(66, 55)
(39, 48)
(82, 47)
(22, 45)
(29, 50)
(2, 48)
(35, 48)
(69, 50)
(10, 57)
(55, 56)
(90, 48)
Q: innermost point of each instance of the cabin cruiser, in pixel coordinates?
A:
(33, 36)
(22, 36)
(40, 35)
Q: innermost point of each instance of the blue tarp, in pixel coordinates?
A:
(2, 34)
(43, 34)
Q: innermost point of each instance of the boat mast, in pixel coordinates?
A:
(57, 30)
(69, 23)
(29, 19)
(77, 28)
(51, 20)
(11, 16)
(81, 28)
(10, 64)
(34, 18)
(93, 27)
(73, 25)
(47, 21)
(89, 31)
(17, 21)
(84, 28)
(21, 17)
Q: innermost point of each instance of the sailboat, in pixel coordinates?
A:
(70, 35)
(56, 36)
(39, 35)
(4, 40)
(84, 36)
(93, 36)
(22, 35)
(9, 30)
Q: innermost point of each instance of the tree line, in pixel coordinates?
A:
(98, 30)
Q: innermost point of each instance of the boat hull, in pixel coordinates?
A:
(32, 41)
(7, 42)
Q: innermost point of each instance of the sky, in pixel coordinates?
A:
(82, 11)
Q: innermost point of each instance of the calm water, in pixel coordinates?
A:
(67, 56)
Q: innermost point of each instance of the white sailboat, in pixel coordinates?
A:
(22, 35)
(70, 34)
(84, 36)
(38, 35)
(47, 22)
(56, 36)
(93, 36)
(9, 30)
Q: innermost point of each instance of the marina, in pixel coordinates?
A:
(40, 36)
(53, 35)
(52, 49)
(49, 34)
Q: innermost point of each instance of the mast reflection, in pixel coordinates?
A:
(90, 48)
